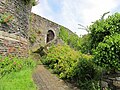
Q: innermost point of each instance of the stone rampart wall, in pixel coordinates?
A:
(11, 44)
(14, 17)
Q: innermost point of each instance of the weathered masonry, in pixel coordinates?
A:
(14, 26)
(12, 44)
(43, 31)
(14, 17)
(20, 28)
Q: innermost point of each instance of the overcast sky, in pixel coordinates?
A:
(70, 13)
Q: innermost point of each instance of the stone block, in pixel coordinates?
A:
(104, 84)
(116, 83)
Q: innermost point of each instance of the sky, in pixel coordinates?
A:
(70, 13)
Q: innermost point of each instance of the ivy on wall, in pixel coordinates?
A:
(33, 2)
(6, 17)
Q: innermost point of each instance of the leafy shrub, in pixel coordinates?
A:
(85, 44)
(73, 65)
(63, 34)
(87, 73)
(61, 59)
(33, 2)
(78, 43)
(103, 28)
(74, 41)
(107, 52)
(70, 39)
(11, 64)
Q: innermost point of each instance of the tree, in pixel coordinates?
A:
(103, 28)
(105, 41)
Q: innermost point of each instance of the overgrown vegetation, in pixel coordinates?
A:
(95, 52)
(32, 2)
(5, 18)
(85, 44)
(21, 80)
(62, 59)
(74, 66)
(102, 28)
(78, 43)
(16, 73)
(107, 52)
(32, 36)
(70, 39)
(13, 64)
(105, 42)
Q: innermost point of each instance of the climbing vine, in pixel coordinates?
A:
(6, 17)
(33, 2)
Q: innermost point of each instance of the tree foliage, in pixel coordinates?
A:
(85, 44)
(105, 41)
(107, 52)
(74, 41)
(104, 27)
(70, 39)
(32, 2)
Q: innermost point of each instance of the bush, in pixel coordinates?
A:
(87, 73)
(13, 64)
(107, 52)
(85, 44)
(103, 28)
(61, 59)
(74, 41)
(73, 65)
(63, 34)
(70, 38)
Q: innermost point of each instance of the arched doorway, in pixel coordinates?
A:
(50, 36)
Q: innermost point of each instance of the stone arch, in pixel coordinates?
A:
(50, 36)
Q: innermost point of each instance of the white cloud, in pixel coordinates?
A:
(43, 9)
(74, 12)
(97, 9)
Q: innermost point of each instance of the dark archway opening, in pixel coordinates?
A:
(50, 36)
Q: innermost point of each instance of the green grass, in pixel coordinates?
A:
(21, 80)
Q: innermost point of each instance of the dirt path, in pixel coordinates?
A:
(47, 81)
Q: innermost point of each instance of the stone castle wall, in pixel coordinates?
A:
(14, 26)
(18, 26)
(14, 17)
(39, 28)
(11, 44)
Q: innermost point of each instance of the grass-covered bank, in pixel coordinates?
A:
(16, 73)
(21, 80)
